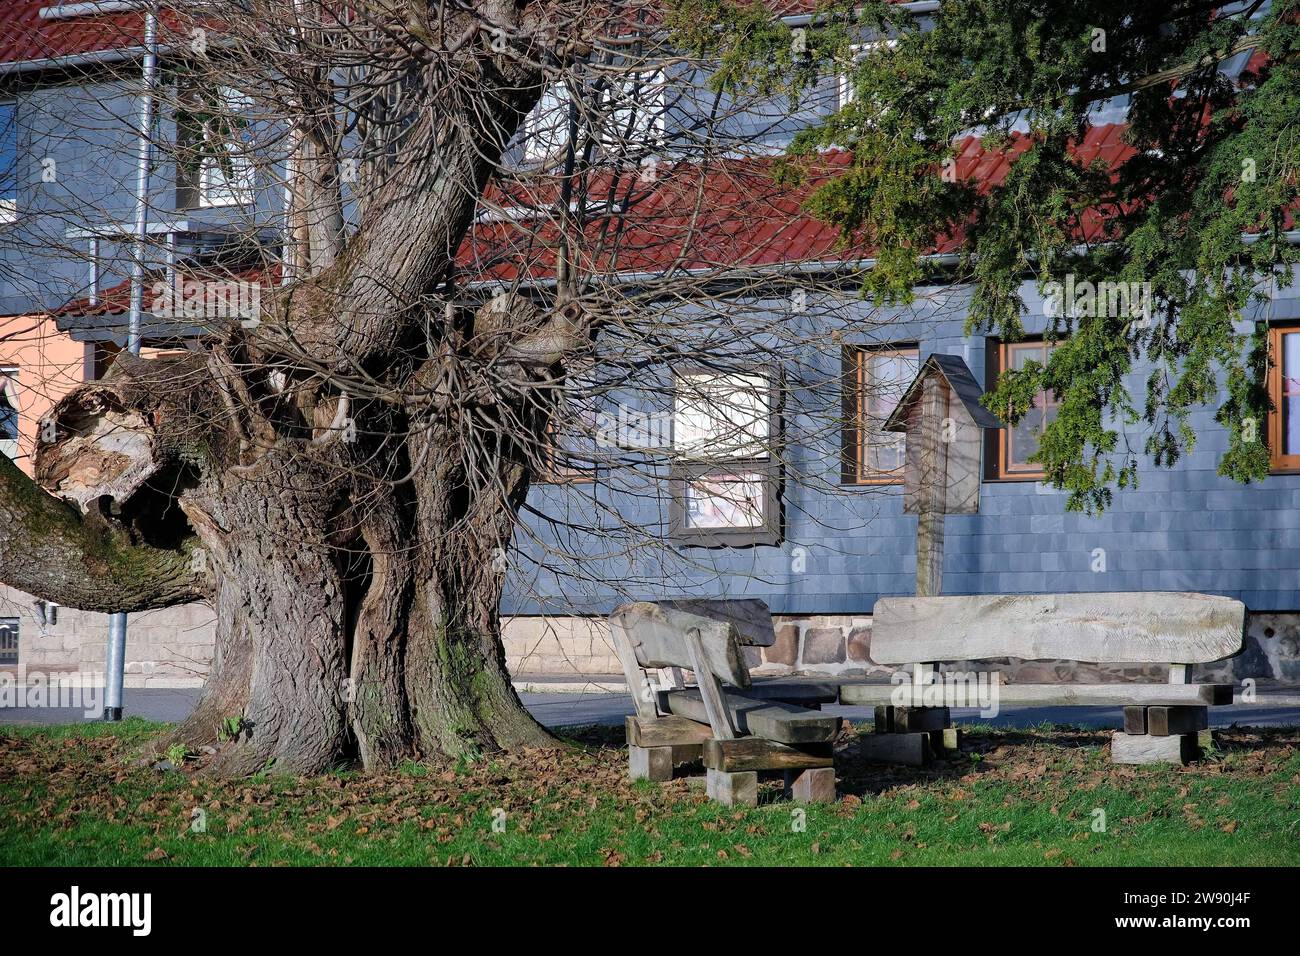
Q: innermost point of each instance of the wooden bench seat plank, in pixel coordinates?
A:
(665, 731)
(785, 723)
(1111, 628)
(804, 695)
(1071, 695)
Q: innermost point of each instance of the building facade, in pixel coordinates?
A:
(818, 531)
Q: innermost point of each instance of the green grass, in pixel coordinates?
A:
(73, 796)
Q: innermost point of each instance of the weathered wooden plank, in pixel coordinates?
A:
(1147, 748)
(751, 616)
(1116, 627)
(757, 753)
(811, 786)
(762, 718)
(733, 789)
(931, 483)
(638, 681)
(884, 719)
(1071, 695)
(910, 749)
(657, 635)
(709, 688)
(1171, 721)
(1135, 720)
(908, 720)
(665, 731)
(791, 692)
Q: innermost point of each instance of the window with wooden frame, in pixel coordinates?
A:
(876, 378)
(1016, 444)
(1284, 391)
(724, 481)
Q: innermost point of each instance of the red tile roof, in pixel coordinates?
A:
(25, 36)
(116, 299)
(732, 214)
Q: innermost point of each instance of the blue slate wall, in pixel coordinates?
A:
(1182, 529)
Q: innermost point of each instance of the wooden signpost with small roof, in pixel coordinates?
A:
(944, 421)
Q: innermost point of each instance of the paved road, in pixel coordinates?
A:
(558, 710)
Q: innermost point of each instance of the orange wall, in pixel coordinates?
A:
(49, 364)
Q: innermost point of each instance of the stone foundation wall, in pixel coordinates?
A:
(167, 648)
(173, 648)
(840, 646)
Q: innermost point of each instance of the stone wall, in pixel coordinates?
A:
(173, 648)
(166, 648)
(840, 646)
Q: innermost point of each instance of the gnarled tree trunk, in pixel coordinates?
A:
(352, 547)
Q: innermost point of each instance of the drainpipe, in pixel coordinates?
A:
(115, 659)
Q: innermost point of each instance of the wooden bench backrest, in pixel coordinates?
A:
(1133, 627)
(658, 637)
(700, 635)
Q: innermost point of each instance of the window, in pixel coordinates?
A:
(1016, 445)
(9, 412)
(1284, 391)
(633, 115)
(877, 379)
(226, 173)
(214, 149)
(724, 478)
(8, 641)
(8, 164)
(546, 128)
(857, 52)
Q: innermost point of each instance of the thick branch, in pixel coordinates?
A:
(48, 549)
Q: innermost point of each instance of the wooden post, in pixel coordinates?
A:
(715, 707)
(933, 488)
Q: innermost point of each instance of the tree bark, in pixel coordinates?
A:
(356, 581)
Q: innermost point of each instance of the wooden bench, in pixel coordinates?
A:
(736, 731)
(1161, 721)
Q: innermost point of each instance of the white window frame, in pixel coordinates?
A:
(216, 190)
(857, 51)
(651, 104)
(543, 140)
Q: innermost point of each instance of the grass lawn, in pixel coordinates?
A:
(70, 796)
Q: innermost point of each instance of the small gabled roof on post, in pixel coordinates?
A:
(959, 379)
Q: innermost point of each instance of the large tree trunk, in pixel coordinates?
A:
(356, 647)
(355, 580)
(357, 618)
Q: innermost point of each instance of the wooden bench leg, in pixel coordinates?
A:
(911, 720)
(1166, 721)
(911, 749)
(650, 763)
(811, 786)
(733, 788)
(1148, 748)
